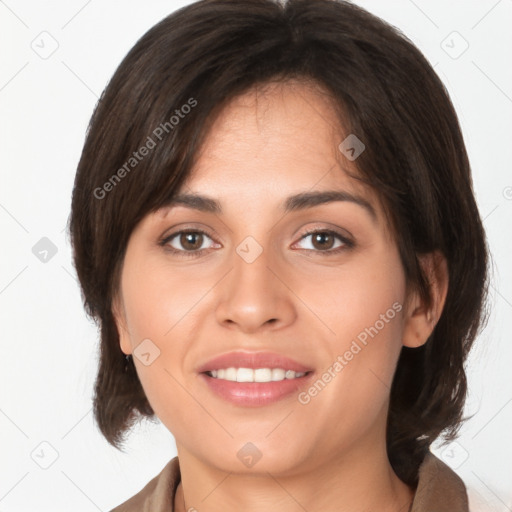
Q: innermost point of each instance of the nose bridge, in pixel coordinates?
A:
(251, 262)
(253, 296)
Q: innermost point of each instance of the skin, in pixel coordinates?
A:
(294, 299)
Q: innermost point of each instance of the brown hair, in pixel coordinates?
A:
(204, 55)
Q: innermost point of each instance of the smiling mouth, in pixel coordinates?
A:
(255, 375)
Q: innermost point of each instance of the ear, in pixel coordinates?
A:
(419, 319)
(119, 314)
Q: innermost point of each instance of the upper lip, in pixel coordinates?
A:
(252, 360)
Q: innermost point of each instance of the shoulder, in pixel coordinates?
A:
(158, 494)
(439, 488)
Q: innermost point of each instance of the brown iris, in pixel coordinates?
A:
(191, 241)
(321, 238)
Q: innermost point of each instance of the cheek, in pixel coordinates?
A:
(359, 300)
(157, 302)
(371, 319)
(362, 306)
(158, 310)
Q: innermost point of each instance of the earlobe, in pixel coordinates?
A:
(421, 318)
(122, 330)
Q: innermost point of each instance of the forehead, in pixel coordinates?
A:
(290, 119)
(284, 134)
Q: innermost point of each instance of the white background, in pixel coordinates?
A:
(48, 347)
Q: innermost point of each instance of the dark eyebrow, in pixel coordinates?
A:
(296, 202)
(311, 199)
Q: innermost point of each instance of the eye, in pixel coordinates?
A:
(328, 241)
(187, 242)
(193, 242)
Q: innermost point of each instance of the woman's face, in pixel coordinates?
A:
(249, 279)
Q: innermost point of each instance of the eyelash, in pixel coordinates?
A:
(347, 244)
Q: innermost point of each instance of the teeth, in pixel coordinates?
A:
(230, 374)
(241, 375)
(278, 374)
(257, 375)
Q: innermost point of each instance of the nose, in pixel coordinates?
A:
(254, 296)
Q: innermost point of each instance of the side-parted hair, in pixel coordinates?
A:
(164, 96)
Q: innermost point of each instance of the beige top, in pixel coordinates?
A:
(439, 490)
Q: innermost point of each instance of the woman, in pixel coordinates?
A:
(274, 224)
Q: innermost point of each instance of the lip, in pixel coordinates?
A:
(254, 394)
(253, 360)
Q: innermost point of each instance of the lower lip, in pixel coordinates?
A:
(255, 394)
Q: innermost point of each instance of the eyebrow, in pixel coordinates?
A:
(293, 203)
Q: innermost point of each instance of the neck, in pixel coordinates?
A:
(352, 481)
